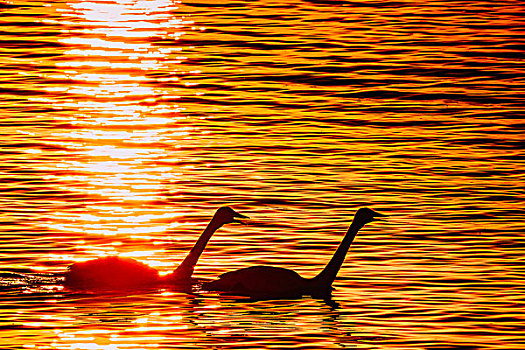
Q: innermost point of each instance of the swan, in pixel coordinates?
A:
(268, 282)
(114, 272)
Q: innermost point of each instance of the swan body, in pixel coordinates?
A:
(264, 282)
(114, 272)
(261, 282)
(111, 272)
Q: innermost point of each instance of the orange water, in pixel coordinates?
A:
(125, 124)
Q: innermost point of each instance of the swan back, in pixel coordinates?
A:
(111, 272)
(260, 282)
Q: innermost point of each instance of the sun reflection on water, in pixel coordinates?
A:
(118, 119)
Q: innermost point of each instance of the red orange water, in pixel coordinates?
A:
(126, 124)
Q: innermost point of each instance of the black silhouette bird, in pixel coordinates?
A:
(268, 282)
(114, 272)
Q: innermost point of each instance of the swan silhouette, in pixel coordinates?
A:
(114, 272)
(268, 282)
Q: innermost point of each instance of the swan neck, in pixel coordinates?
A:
(327, 276)
(185, 269)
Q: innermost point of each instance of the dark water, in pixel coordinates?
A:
(125, 124)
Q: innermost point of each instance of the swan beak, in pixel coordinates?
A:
(239, 215)
(379, 216)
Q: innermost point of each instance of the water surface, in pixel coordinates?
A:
(125, 125)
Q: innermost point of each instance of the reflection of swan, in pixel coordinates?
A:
(261, 282)
(115, 272)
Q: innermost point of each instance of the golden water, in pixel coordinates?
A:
(125, 124)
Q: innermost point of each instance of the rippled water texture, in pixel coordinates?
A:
(125, 125)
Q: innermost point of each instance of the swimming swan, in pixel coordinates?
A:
(114, 272)
(266, 282)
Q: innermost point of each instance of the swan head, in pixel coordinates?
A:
(226, 215)
(366, 215)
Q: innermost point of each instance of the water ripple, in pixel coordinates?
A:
(126, 124)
